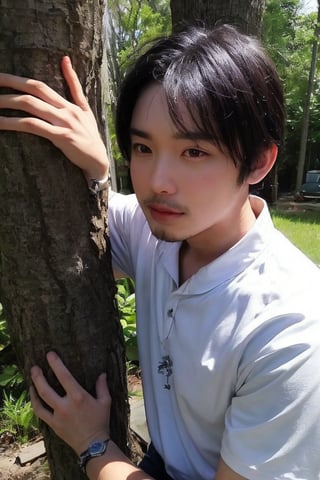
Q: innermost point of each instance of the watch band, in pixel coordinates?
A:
(95, 449)
(96, 186)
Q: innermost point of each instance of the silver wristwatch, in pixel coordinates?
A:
(95, 449)
(98, 185)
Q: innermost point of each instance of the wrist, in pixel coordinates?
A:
(95, 449)
(99, 435)
(113, 464)
(98, 184)
(99, 173)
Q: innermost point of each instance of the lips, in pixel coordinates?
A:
(162, 212)
(164, 209)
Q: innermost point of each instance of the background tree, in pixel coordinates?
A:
(306, 109)
(56, 282)
(245, 14)
(288, 34)
(130, 24)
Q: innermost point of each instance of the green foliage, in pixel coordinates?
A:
(131, 25)
(136, 22)
(10, 376)
(288, 35)
(4, 335)
(127, 308)
(17, 416)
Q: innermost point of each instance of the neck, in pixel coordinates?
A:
(204, 248)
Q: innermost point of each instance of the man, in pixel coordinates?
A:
(228, 332)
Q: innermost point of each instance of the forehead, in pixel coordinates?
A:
(152, 106)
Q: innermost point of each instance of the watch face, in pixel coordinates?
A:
(97, 448)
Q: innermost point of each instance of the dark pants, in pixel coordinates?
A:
(153, 464)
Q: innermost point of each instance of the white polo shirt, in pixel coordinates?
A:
(238, 348)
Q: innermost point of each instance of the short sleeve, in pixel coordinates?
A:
(272, 427)
(126, 221)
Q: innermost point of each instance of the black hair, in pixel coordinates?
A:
(226, 81)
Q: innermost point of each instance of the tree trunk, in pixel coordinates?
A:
(56, 282)
(245, 14)
(306, 109)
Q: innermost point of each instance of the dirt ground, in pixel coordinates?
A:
(11, 469)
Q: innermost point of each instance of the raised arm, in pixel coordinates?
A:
(71, 127)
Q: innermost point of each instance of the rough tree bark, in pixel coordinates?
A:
(56, 282)
(245, 14)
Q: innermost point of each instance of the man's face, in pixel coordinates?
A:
(186, 186)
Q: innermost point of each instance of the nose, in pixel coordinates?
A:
(162, 178)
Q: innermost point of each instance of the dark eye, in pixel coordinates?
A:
(140, 148)
(194, 153)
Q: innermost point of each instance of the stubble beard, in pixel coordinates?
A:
(159, 231)
(163, 235)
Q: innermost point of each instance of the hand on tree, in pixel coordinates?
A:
(78, 418)
(71, 127)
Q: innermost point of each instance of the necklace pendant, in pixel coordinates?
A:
(165, 368)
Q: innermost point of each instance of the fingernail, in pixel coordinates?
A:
(34, 371)
(51, 355)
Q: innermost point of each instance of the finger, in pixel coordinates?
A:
(102, 390)
(45, 392)
(74, 84)
(38, 408)
(33, 87)
(33, 106)
(67, 381)
(34, 126)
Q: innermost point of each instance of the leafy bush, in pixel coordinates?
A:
(17, 416)
(127, 308)
(10, 376)
(4, 335)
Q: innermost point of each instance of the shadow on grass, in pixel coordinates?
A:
(298, 214)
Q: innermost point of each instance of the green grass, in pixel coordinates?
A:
(302, 227)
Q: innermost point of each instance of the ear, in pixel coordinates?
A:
(263, 165)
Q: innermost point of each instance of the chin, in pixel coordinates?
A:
(164, 235)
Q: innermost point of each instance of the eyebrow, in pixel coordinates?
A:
(184, 135)
(139, 133)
